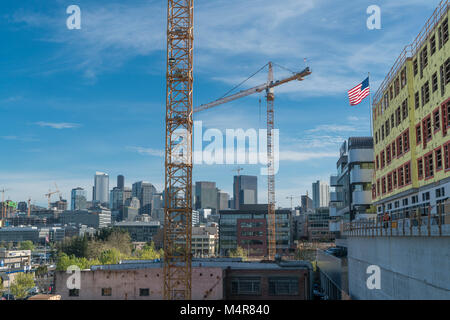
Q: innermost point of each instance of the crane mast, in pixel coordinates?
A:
(178, 152)
(271, 230)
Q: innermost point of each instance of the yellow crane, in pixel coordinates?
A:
(268, 87)
(178, 152)
(49, 195)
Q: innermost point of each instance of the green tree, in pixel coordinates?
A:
(26, 245)
(23, 282)
(149, 252)
(239, 252)
(110, 256)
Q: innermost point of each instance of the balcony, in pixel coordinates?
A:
(336, 197)
(361, 175)
(361, 197)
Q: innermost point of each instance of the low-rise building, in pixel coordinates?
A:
(139, 231)
(212, 279)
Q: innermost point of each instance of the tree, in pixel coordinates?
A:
(26, 245)
(110, 256)
(149, 252)
(239, 252)
(23, 282)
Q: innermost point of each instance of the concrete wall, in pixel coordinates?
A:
(411, 267)
(207, 284)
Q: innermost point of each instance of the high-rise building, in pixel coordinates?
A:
(78, 199)
(144, 191)
(120, 181)
(101, 189)
(245, 190)
(411, 119)
(306, 203)
(321, 194)
(205, 195)
(222, 200)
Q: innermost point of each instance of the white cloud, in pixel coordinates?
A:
(147, 151)
(57, 125)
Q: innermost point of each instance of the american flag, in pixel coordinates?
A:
(358, 93)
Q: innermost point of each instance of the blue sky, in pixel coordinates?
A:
(73, 102)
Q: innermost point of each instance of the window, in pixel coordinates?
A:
(388, 154)
(447, 71)
(405, 202)
(106, 292)
(393, 149)
(378, 162)
(418, 134)
(406, 141)
(434, 82)
(398, 116)
(383, 161)
(442, 73)
(399, 146)
(392, 121)
(401, 177)
(74, 292)
(407, 173)
(387, 127)
(397, 86)
(376, 137)
(415, 67)
(447, 156)
(443, 32)
(428, 159)
(417, 100)
(425, 196)
(394, 177)
(391, 90)
(144, 292)
(382, 132)
(445, 115)
(432, 44)
(424, 60)
(383, 185)
(425, 93)
(405, 109)
(420, 168)
(414, 199)
(437, 121)
(246, 286)
(389, 182)
(438, 157)
(283, 286)
(378, 186)
(428, 128)
(403, 77)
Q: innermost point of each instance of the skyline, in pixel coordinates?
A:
(67, 93)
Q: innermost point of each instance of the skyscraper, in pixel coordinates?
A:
(120, 181)
(205, 195)
(78, 199)
(222, 200)
(321, 194)
(101, 188)
(144, 191)
(307, 203)
(245, 190)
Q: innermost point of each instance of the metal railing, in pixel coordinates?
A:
(421, 223)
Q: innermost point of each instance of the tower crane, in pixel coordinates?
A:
(49, 195)
(268, 87)
(291, 198)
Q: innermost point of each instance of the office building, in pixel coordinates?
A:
(306, 203)
(205, 195)
(144, 191)
(120, 181)
(245, 190)
(95, 218)
(321, 194)
(22, 206)
(101, 189)
(222, 200)
(350, 197)
(78, 199)
(411, 119)
(139, 231)
(247, 228)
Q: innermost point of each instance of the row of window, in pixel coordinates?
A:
(396, 149)
(431, 124)
(442, 32)
(107, 292)
(427, 166)
(420, 99)
(398, 178)
(285, 286)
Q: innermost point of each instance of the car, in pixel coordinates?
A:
(7, 296)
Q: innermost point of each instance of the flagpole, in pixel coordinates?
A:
(370, 104)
